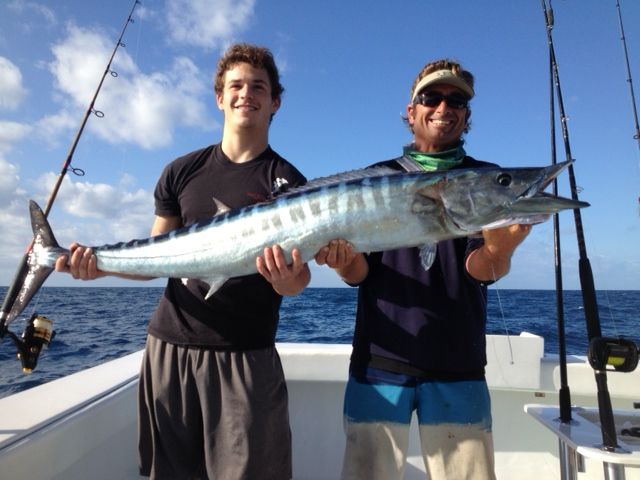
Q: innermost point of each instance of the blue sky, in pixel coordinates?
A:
(347, 70)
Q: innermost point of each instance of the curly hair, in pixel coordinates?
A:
(257, 57)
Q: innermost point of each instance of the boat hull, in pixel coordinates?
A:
(84, 425)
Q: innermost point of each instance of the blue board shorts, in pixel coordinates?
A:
(454, 422)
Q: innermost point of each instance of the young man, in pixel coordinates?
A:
(419, 340)
(212, 397)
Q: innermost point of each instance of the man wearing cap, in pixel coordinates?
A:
(419, 342)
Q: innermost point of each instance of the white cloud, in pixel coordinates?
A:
(100, 213)
(98, 200)
(50, 126)
(141, 109)
(14, 239)
(27, 8)
(10, 133)
(8, 177)
(16, 232)
(13, 201)
(10, 192)
(11, 90)
(207, 23)
(9, 183)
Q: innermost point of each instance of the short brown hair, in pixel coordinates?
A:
(257, 57)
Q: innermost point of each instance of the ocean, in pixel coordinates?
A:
(96, 324)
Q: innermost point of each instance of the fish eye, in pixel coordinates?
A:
(504, 179)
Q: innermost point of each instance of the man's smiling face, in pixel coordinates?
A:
(246, 98)
(439, 127)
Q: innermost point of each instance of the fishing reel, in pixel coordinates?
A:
(37, 334)
(618, 353)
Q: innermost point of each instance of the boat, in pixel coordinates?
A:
(84, 425)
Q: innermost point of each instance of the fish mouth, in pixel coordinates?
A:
(531, 206)
(547, 176)
(545, 204)
(535, 201)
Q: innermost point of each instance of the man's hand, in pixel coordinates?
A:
(81, 264)
(286, 279)
(493, 260)
(339, 255)
(503, 241)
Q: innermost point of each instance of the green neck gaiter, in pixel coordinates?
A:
(436, 160)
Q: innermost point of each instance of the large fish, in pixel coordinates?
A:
(374, 209)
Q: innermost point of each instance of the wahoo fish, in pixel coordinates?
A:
(373, 209)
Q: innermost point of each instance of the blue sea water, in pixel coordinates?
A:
(96, 324)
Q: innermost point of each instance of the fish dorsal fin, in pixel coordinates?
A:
(428, 255)
(221, 208)
(341, 177)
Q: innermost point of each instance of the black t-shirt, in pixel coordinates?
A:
(244, 312)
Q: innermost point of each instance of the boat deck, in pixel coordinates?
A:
(84, 425)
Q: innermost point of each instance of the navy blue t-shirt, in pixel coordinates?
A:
(431, 323)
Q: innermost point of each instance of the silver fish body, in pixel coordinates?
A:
(374, 210)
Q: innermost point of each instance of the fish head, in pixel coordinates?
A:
(476, 199)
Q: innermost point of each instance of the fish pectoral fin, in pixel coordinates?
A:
(428, 255)
(214, 284)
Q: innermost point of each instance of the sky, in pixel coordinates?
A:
(347, 70)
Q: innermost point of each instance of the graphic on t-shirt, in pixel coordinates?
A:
(279, 185)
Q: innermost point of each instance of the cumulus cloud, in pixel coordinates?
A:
(10, 191)
(29, 9)
(102, 213)
(50, 126)
(9, 182)
(16, 231)
(207, 23)
(13, 200)
(11, 90)
(11, 133)
(139, 108)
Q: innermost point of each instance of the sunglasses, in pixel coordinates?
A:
(433, 99)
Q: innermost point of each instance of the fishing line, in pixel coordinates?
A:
(504, 322)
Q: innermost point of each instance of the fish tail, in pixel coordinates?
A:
(44, 242)
(40, 260)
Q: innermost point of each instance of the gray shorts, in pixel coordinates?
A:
(207, 414)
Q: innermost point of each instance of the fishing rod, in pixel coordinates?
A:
(564, 391)
(629, 80)
(38, 333)
(603, 352)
